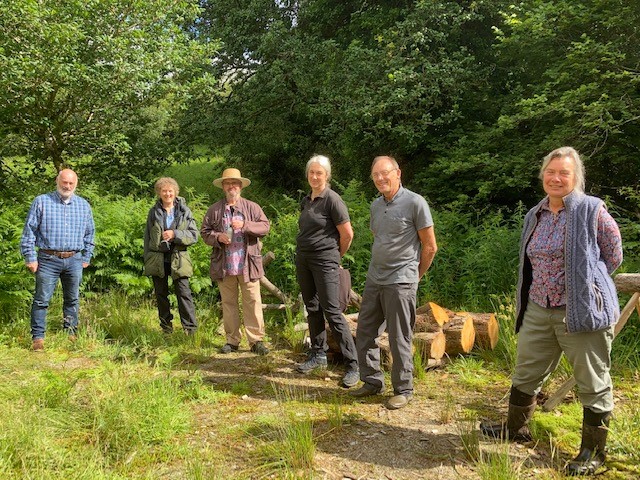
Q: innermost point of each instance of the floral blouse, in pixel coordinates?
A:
(546, 253)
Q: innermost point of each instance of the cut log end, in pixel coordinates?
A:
(487, 330)
(460, 334)
(435, 312)
(430, 345)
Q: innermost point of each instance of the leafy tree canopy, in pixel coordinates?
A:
(571, 72)
(469, 96)
(348, 78)
(98, 79)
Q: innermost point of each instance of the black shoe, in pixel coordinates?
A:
(315, 361)
(259, 348)
(366, 390)
(228, 348)
(351, 378)
(586, 463)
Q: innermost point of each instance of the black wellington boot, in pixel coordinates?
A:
(595, 427)
(521, 408)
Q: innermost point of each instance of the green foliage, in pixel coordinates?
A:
(359, 254)
(126, 414)
(506, 351)
(281, 240)
(477, 258)
(347, 78)
(99, 76)
(628, 220)
(15, 281)
(288, 447)
(624, 434)
(565, 74)
(90, 421)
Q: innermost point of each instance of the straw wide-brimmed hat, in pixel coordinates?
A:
(231, 174)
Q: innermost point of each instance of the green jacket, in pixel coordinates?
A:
(186, 233)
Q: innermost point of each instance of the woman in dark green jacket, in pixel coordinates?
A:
(170, 230)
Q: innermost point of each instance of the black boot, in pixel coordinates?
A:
(595, 427)
(521, 408)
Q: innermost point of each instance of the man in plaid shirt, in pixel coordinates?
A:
(60, 225)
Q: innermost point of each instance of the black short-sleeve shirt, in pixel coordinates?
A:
(318, 220)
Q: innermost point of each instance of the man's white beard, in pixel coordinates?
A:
(65, 194)
(233, 197)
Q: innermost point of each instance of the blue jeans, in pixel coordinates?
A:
(50, 269)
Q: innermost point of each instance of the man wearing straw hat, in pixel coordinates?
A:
(233, 227)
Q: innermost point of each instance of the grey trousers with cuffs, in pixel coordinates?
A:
(391, 307)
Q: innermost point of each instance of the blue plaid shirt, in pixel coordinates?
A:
(55, 225)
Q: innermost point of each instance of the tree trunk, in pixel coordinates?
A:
(487, 329)
(460, 335)
(430, 345)
(627, 282)
(273, 290)
(426, 323)
(435, 312)
(331, 342)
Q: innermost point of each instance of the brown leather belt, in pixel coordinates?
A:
(58, 254)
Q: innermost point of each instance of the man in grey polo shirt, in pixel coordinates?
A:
(404, 245)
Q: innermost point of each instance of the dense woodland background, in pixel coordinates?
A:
(468, 95)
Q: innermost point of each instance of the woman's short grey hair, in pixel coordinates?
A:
(577, 163)
(321, 160)
(161, 182)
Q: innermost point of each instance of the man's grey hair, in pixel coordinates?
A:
(577, 163)
(385, 157)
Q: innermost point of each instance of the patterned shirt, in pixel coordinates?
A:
(546, 253)
(234, 253)
(53, 224)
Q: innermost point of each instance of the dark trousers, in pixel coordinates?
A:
(185, 301)
(318, 274)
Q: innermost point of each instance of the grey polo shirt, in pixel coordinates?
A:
(395, 255)
(318, 220)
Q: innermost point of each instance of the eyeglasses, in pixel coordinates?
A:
(382, 174)
(229, 183)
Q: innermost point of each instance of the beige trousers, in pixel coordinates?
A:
(251, 309)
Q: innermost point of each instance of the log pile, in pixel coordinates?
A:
(439, 333)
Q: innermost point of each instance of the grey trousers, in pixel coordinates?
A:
(542, 340)
(392, 307)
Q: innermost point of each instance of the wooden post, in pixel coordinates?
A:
(623, 283)
(267, 258)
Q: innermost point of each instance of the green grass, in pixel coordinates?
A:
(127, 402)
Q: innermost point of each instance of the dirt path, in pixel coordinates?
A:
(372, 442)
